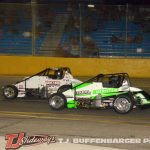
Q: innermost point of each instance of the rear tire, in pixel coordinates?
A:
(123, 104)
(57, 101)
(10, 92)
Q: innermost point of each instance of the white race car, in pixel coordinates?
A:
(42, 84)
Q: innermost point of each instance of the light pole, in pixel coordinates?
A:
(80, 30)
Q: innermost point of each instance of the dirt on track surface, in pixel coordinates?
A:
(35, 117)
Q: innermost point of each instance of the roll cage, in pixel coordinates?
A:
(47, 72)
(109, 80)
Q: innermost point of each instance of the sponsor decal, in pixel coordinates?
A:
(66, 80)
(83, 92)
(107, 90)
(17, 140)
(52, 83)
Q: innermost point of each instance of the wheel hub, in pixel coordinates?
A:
(122, 104)
(9, 92)
(56, 102)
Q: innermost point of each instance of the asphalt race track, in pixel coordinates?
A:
(35, 117)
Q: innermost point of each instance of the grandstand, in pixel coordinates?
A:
(64, 30)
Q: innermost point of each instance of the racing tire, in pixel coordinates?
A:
(57, 101)
(64, 88)
(123, 104)
(10, 92)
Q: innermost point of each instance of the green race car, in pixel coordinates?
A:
(102, 91)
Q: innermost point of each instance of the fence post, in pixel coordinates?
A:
(33, 10)
(127, 9)
(80, 30)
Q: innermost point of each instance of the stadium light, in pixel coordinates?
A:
(91, 5)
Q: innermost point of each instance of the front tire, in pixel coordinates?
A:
(123, 104)
(57, 101)
(10, 92)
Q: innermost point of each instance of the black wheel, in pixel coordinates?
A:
(10, 92)
(64, 88)
(57, 101)
(123, 104)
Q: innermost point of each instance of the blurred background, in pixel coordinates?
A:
(75, 28)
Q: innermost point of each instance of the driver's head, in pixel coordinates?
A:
(113, 78)
(59, 74)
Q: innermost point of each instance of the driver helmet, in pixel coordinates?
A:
(59, 74)
(113, 81)
(113, 78)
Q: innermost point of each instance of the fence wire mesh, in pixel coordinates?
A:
(61, 30)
